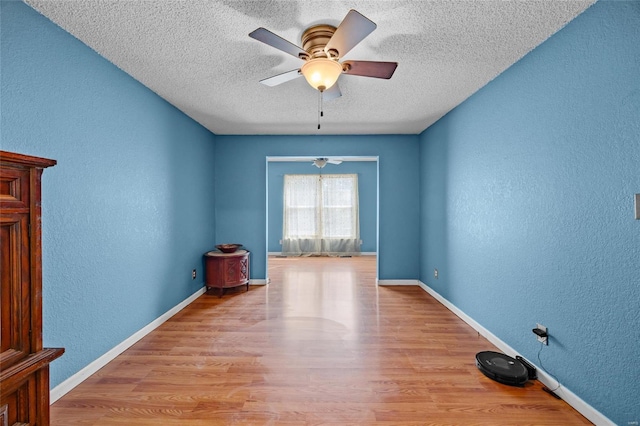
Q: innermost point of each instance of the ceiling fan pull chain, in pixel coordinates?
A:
(319, 107)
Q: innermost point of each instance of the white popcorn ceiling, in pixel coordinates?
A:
(198, 56)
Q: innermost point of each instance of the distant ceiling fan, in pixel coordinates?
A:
(322, 48)
(323, 161)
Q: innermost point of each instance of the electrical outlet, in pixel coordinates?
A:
(544, 338)
(193, 274)
(435, 274)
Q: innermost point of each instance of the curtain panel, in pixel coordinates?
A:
(321, 215)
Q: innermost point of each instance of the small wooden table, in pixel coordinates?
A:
(226, 270)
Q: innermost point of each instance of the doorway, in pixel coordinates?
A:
(367, 169)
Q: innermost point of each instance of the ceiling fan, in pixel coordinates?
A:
(322, 48)
(323, 161)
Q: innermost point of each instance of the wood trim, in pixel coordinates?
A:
(4, 415)
(35, 244)
(12, 376)
(26, 160)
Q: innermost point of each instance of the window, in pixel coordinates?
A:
(321, 214)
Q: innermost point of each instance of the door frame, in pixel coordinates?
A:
(309, 159)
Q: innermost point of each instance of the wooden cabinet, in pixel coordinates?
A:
(225, 270)
(24, 363)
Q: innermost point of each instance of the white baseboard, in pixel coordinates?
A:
(398, 282)
(569, 397)
(258, 282)
(73, 381)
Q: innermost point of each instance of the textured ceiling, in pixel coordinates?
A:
(198, 56)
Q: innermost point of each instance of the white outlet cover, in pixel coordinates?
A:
(543, 340)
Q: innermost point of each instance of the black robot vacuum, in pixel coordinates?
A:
(502, 368)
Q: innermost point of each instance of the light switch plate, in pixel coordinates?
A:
(637, 206)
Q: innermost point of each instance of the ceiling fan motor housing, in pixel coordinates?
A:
(315, 38)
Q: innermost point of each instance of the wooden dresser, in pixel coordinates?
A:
(24, 363)
(226, 270)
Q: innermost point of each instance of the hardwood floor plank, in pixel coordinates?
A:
(320, 345)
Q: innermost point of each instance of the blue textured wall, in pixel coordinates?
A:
(367, 194)
(128, 210)
(240, 163)
(524, 197)
(527, 206)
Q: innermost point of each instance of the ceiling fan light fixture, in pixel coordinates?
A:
(321, 73)
(320, 162)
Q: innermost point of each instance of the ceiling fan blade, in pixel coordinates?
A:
(334, 161)
(351, 31)
(281, 78)
(332, 92)
(370, 68)
(274, 40)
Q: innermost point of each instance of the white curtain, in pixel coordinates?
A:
(321, 215)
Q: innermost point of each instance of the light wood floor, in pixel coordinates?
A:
(321, 344)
